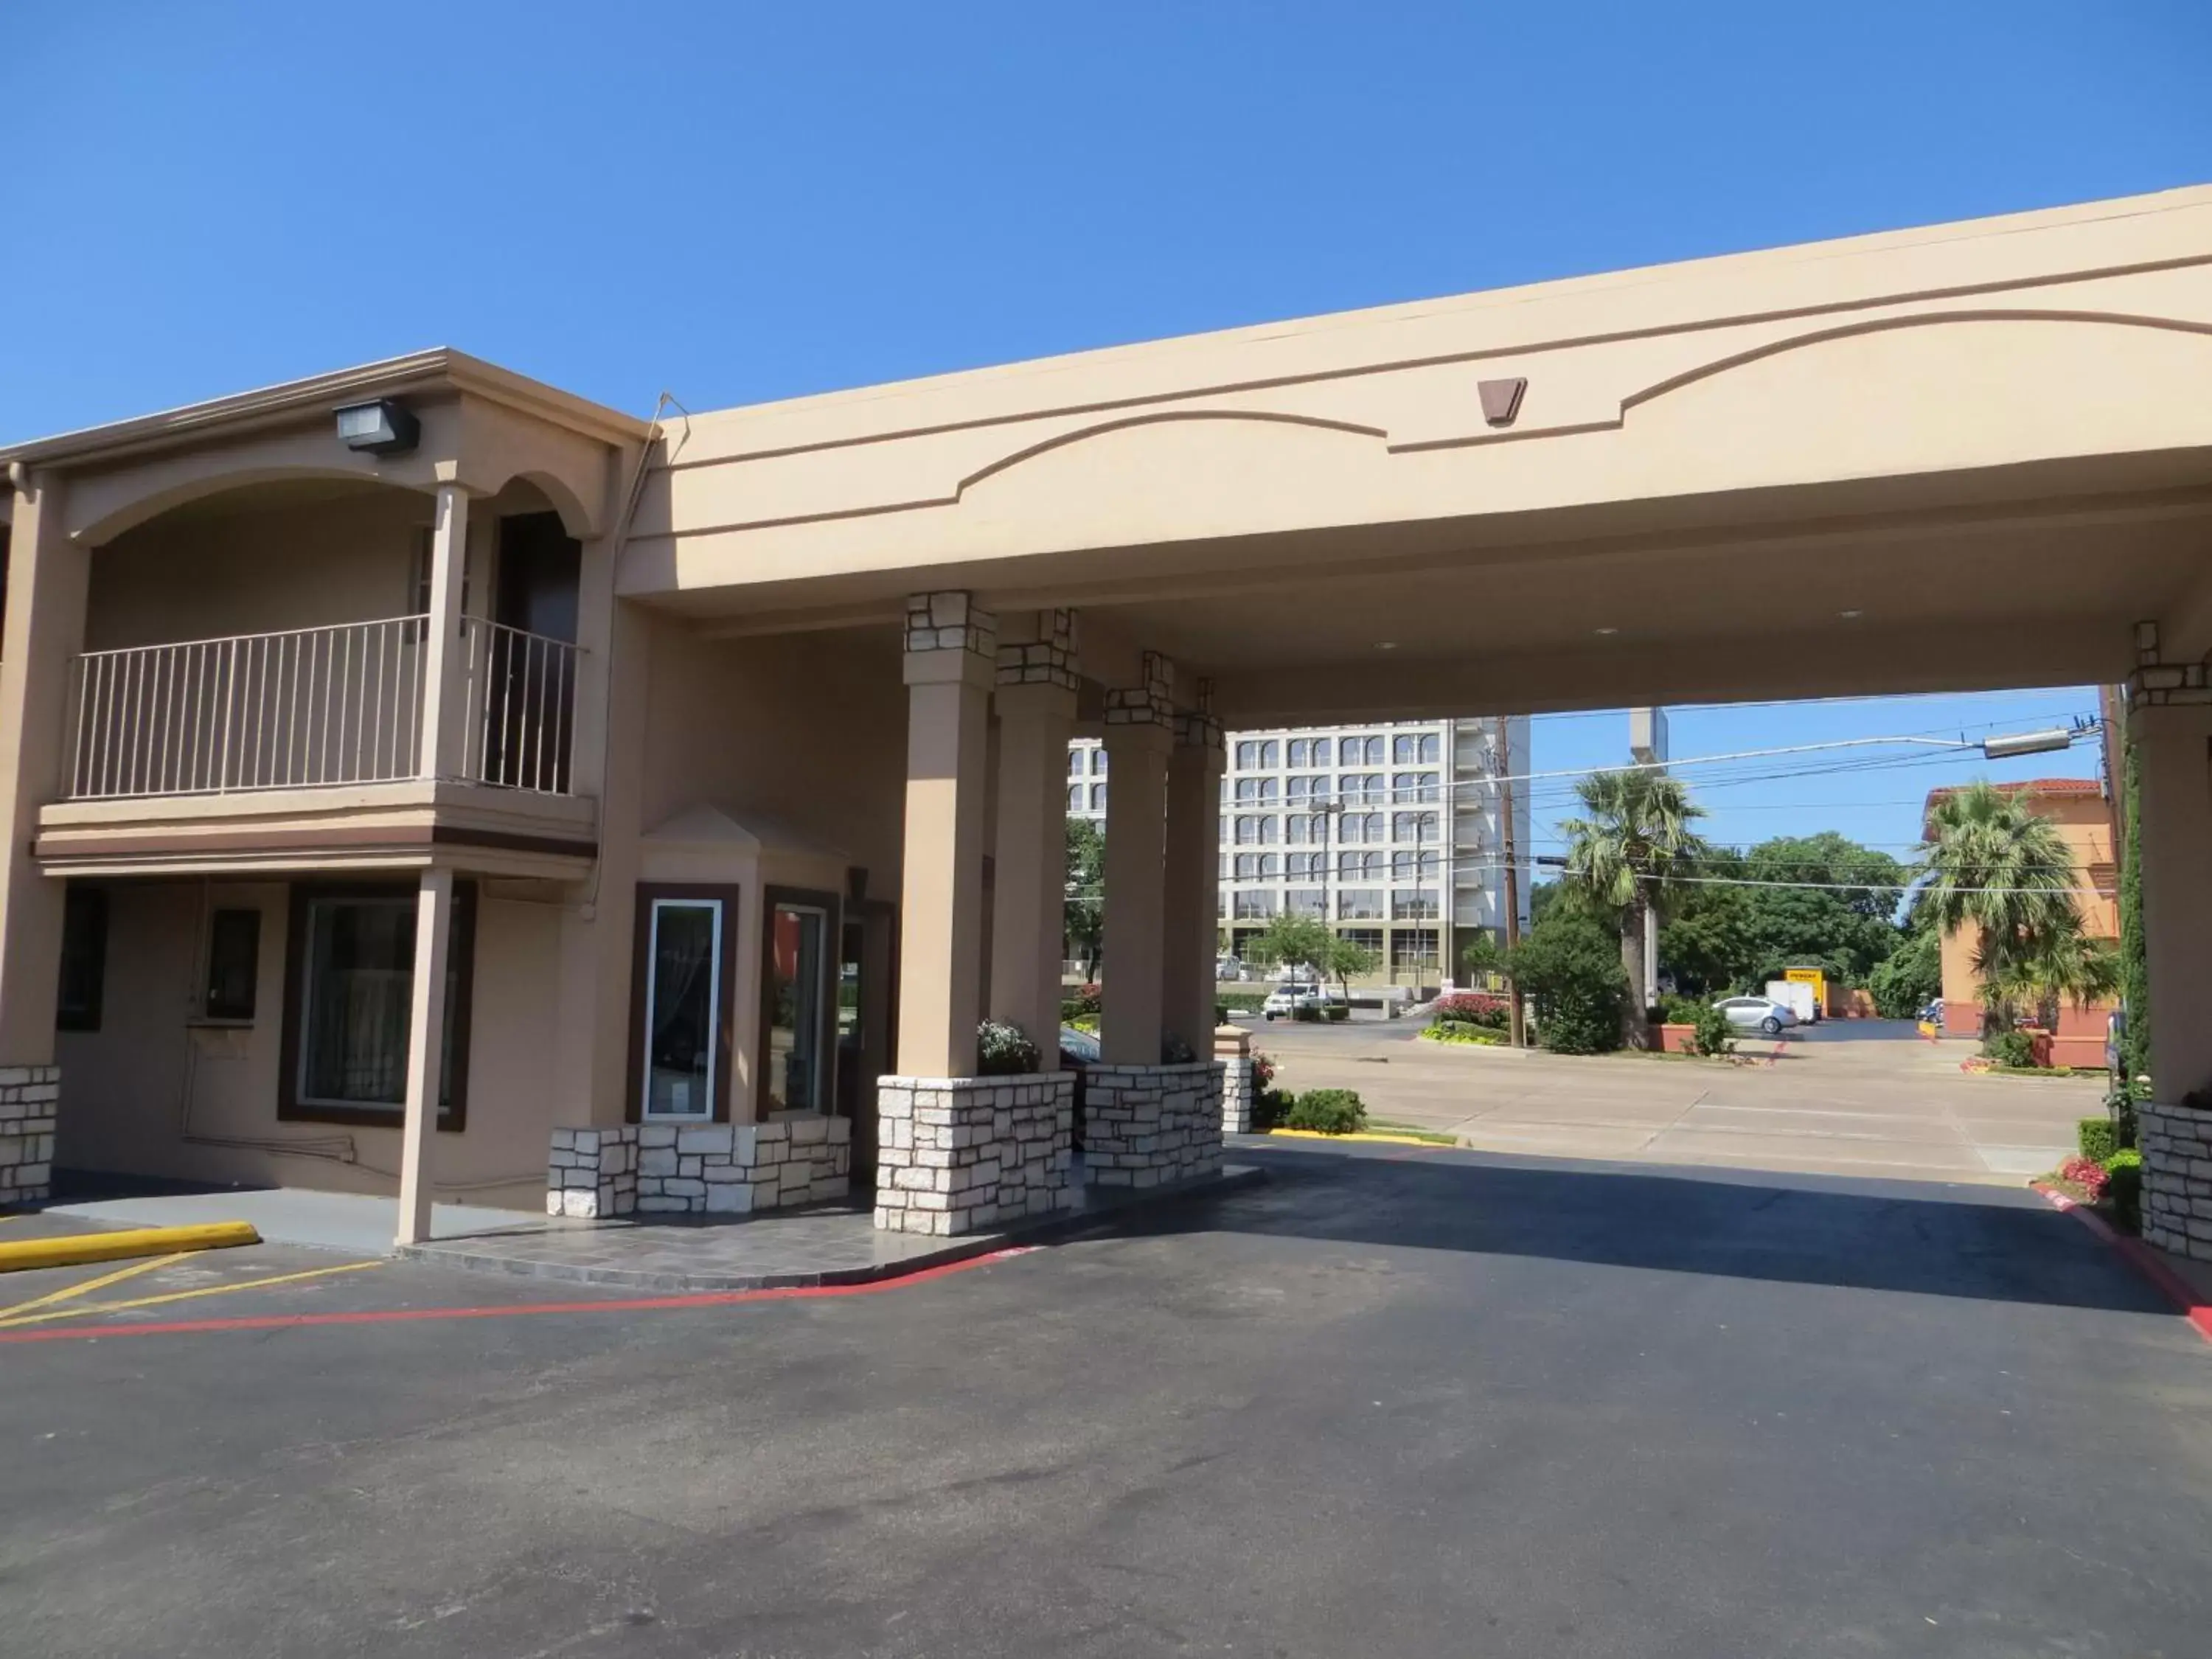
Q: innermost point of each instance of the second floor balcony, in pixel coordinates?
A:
(321, 708)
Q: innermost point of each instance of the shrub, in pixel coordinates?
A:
(1453, 1030)
(1308, 1012)
(1715, 1035)
(1084, 1001)
(2097, 1138)
(1002, 1050)
(1263, 1072)
(1570, 964)
(2124, 1171)
(1243, 1002)
(2086, 1173)
(1337, 1012)
(2014, 1048)
(1677, 1010)
(1331, 1111)
(1472, 1008)
(1173, 1051)
(1270, 1107)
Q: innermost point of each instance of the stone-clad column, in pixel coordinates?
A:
(1139, 735)
(48, 579)
(1194, 876)
(952, 663)
(2170, 724)
(1035, 699)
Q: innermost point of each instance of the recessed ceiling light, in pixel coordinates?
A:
(1850, 615)
(1608, 631)
(1386, 645)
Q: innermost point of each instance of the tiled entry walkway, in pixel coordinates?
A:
(787, 1249)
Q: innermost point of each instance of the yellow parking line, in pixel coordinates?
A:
(68, 1291)
(187, 1296)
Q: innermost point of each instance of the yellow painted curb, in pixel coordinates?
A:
(77, 1248)
(1361, 1134)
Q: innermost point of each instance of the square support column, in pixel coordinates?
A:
(951, 664)
(1139, 736)
(426, 1053)
(2173, 762)
(445, 655)
(1035, 701)
(47, 581)
(1194, 878)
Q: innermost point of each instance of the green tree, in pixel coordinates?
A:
(1569, 967)
(2134, 961)
(2003, 873)
(1308, 942)
(1635, 840)
(1911, 975)
(1820, 917)
(1707, 941)
(1086, 893)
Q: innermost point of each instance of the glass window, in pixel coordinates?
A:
(1367, 939)
(1401, 826)
(1248, 829)
(1301, 750)
(1432, 749)
(1271, 754)
(1255, 905)
(1375, 752)
(1360, 904)
(683, 1008)
(84, 959)
(1303, 901)
(1417, 905)
(796, 1076)
(357, 974)
(1321, 751)
(1248, 754)
(1404, 747)
(1352, 827)
(1306, 864)
(1271, 867)
(1424, 826)
(1097, 796)
(1248, 788)
(1415, 949)
(1247, 866)
(1297, 827)
(1075, 797)
(1270, 828)
(234, 964)
(1271, 789)
(1403, 865)
(1075, 763)
(1098, 761)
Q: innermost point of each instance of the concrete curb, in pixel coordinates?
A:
(76, 1249)
(1378, 1136)
(1100, 1213)
(2144, 1260)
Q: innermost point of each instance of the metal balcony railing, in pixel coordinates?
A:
(317, 708)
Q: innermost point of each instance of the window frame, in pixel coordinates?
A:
(209, 1013)
(731, 896)
(832, 906)
(81, 900)
(451, 1116)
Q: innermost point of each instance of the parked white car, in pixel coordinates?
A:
(1755, 1014)
(1284, 1001)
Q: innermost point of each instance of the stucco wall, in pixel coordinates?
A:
(151, 1077)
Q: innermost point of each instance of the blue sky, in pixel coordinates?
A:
(740, 201)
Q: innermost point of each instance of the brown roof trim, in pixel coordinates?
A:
(348, 838)
(440, 368)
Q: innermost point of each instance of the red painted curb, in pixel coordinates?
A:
(404, 1315)
(2144, 1260)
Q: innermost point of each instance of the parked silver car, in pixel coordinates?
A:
(1756, 1013)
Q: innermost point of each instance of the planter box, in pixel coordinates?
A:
(1673, 1039)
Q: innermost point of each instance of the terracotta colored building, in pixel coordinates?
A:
(2083, 815)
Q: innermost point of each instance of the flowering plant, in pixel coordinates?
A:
(2087, 1174)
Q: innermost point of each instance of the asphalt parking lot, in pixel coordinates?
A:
(1395, 1401)
(1843, 1097)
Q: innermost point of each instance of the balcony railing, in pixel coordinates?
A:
(317, 708)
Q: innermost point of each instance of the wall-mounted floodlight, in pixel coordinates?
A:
(382, 428)
(2026, 743)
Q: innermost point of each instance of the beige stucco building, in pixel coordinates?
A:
(671, 784)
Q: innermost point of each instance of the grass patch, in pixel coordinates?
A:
(1428, 1137)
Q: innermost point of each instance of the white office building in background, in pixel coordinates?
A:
(1391, 830)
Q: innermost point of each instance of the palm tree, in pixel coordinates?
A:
(1999, 869)
(1635, 840)
(2067, 966)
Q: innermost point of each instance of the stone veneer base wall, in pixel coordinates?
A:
(960, 1155)
(1145, 1125)
(1236, 1094)
(702, 1168)
(29, 1096)
(2177, 1178)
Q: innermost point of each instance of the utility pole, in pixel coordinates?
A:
(1517, 1033)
